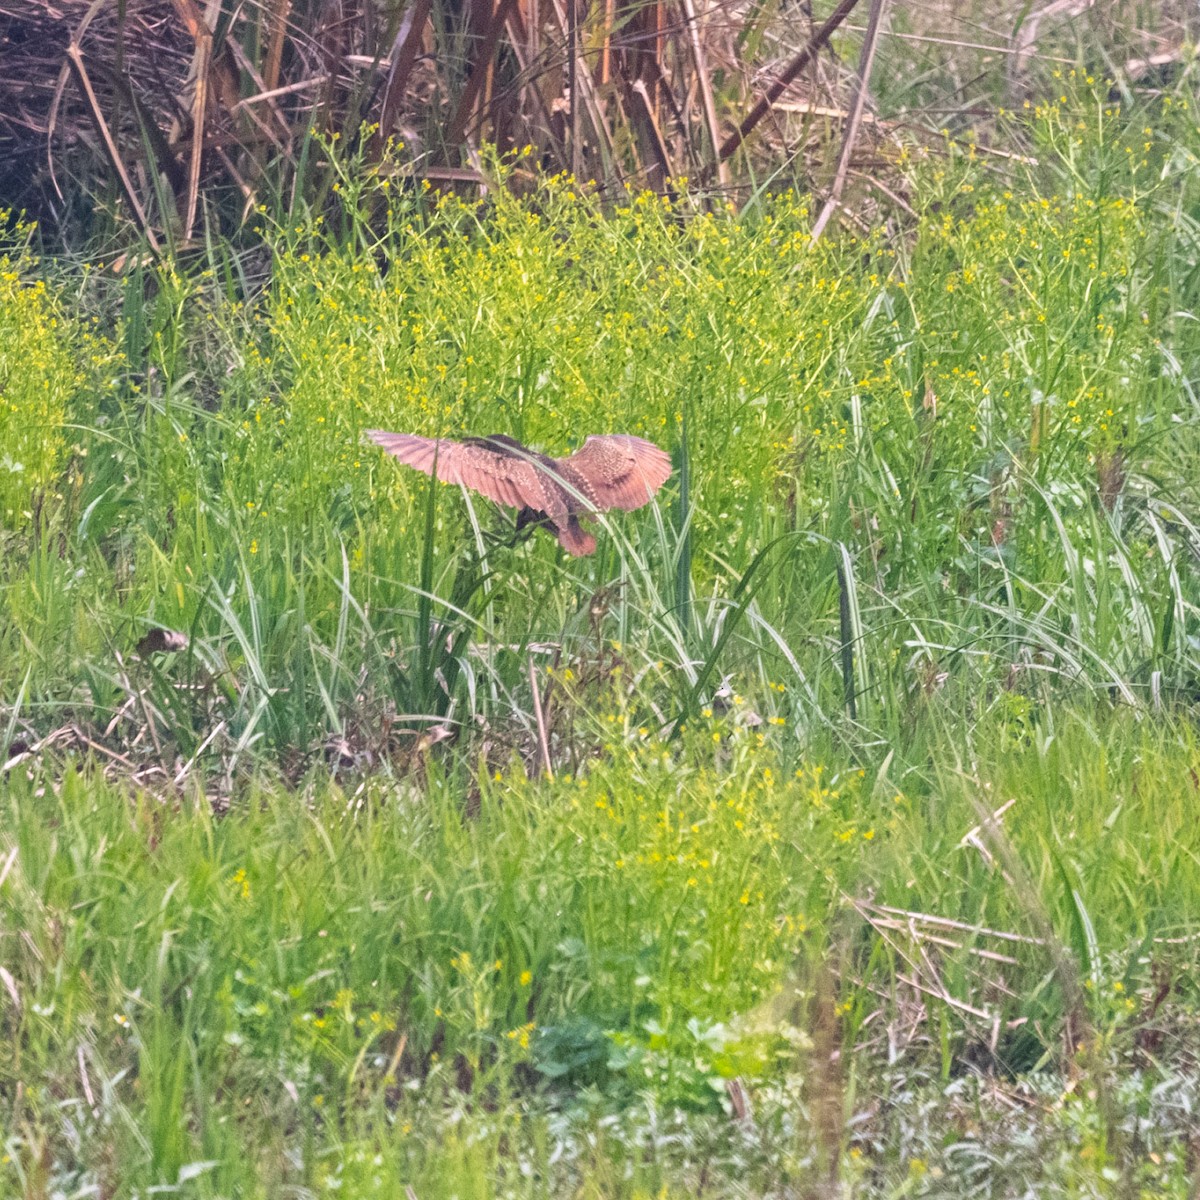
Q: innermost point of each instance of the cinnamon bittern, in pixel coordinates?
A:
(614, 470)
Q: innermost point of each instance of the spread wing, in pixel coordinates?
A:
(503, 476)
(617, 470)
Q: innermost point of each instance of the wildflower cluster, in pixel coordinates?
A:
(38, 382)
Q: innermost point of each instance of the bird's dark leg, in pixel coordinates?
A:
(527, 521)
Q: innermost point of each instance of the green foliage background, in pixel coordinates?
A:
(931, 548)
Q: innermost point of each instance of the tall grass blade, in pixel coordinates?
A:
(425, 594)
(15, 716)
(854, 680)
(739, 601)
(1083, 932)
(683, 562)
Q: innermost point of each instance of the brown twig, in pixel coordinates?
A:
(540, 717)
(524, 50)
(950, 923)
(786, 78)
(652, 138)
(277, 18)
(75, 55)
(479, 76)
(403, 56)
(704, 84)
(199, 120)
(587, 90)
(573, 83)
(857, 104)
(61, 86)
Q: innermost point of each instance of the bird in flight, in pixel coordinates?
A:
(614, 470)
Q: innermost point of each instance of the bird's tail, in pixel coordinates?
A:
(575, 539)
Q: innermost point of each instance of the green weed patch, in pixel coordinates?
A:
(842, 802)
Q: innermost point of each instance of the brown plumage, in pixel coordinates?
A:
(608, 471)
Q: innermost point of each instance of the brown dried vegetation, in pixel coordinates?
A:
(158, 105)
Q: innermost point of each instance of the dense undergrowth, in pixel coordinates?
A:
(321, 901)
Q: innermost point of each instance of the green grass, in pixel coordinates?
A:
(320, 974)
(298, 907)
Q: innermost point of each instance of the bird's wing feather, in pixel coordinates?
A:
(617, 470)
(505, 478)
